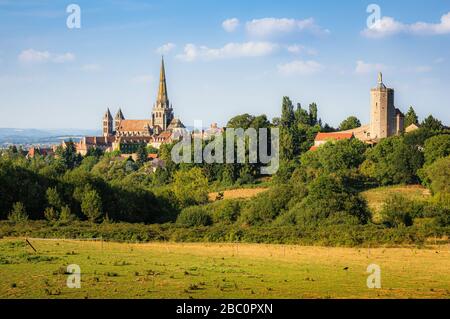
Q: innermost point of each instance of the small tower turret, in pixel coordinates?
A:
(118, 118)
(108, 124)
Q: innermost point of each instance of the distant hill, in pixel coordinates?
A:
(17, 136)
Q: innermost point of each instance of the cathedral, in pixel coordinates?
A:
(126, 135)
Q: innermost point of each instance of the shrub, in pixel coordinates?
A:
(66, 215)
(18, 213)
(267, 206)
(225, 211)
(51, 214)
(194, 216)
(436, 147)
(396, 211)
(437, 175)
(327, 197)
(190, 187)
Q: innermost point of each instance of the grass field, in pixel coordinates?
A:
(172, 270)
(375, 197)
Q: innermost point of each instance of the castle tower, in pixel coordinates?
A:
(107, 124)
(118, 118)
(383, 114)
(162, 113)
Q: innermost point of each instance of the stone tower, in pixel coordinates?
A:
(118, 118)
(162, 113)
(108, 124)
(384, 117)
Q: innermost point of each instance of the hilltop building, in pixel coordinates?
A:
(385, 119)
(125, 135)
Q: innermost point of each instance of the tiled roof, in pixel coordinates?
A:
(333, 136)
(134, 125)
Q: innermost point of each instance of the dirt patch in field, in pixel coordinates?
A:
(237, 193)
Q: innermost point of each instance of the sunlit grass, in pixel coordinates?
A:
(172, 270)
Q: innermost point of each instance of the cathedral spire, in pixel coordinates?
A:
(162, 99)
(108, 114)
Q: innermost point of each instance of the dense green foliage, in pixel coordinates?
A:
(314, 196)
(350, 123)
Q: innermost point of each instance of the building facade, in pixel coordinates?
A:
(385, 119)
(124, 134)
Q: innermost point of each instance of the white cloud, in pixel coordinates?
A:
(31, 56)
(299, 67)
(270, 27)
(90, 67)
(63, 58)
(166, 48)
(300, 49)
(433, 28)
(228, 51)
(365, 68)
(388, 26)
(230, 25)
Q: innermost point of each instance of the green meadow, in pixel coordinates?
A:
(185, 270)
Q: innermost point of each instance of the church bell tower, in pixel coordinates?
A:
(162, 113)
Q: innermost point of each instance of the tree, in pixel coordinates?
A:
(436, 147)
(66, 215)
(68, 155)
(301, 116)
(287, 113)
(334, 157)
(436, 176)
(328, 197)
(350, 123)
(393, 161)
(260, 121)
(289, 144)
(53, 198)
(190, 187)
(141, 154)
(91, 204)
(241, 121)
(51, 214)
(411, 117)
(18, 213)
(95, 152)
(313, 120)
(432, 123)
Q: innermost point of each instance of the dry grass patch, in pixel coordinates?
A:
(377, 196)
(237, 193)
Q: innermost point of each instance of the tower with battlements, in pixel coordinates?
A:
(385, 119)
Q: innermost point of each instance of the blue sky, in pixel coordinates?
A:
(223, 58)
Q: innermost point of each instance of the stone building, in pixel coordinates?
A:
(124, 134)
(385, 119)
